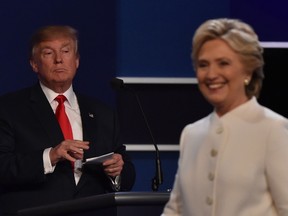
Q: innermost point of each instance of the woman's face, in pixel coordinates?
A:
(221, 76)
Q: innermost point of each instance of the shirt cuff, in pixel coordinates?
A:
(116, 183)
(48, 168)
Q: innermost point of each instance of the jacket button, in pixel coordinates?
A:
(211, 176)
(219, 130)
(214, 152)
(209, 201)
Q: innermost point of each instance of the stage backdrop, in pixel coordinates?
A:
(142, 38)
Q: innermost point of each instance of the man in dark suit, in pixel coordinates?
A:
(35, 158)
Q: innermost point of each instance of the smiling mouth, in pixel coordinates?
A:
(215, 85)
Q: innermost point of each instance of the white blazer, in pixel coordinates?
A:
(236, 165)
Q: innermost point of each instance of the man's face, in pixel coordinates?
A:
(55, 62)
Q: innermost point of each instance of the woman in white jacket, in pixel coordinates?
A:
(234, 162)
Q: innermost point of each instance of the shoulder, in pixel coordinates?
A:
(270, 122)
(16, 96)
(90, 100)
(203, 122)
(93, 104)
(274, 117)
(254, 112)
(198, 127)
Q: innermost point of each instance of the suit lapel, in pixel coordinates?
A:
(45, 114)
(43, 111)
(89, 122)
(89, 125)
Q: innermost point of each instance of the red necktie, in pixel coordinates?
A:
(63, 119)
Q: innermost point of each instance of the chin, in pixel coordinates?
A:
(215, 100)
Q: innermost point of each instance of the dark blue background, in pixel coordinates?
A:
(138, 38)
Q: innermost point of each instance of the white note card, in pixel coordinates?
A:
(99, 159)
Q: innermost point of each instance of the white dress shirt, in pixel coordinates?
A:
(73, 113)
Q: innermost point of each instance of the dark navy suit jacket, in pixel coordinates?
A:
(27, 127)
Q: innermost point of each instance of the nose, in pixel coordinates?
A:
(212, 71)
(58, 58)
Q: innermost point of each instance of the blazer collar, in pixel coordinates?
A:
(42, 109)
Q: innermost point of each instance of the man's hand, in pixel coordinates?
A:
(68, 150)
(113, 166)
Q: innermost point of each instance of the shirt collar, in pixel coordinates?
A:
(51, 95)
(244, 110)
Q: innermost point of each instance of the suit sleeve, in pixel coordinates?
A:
(128, 173)
(19, 165)
(276, 166)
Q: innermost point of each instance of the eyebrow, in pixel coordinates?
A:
(217, 59)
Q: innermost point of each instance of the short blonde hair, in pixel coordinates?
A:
(242, 39)
(50, 32)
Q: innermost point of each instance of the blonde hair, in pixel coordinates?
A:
(242, 39)
(50, 32)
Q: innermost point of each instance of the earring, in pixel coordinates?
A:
(246, 82)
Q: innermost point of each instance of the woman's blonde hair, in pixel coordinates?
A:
(242, 39)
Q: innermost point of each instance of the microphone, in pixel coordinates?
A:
(157, 180)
